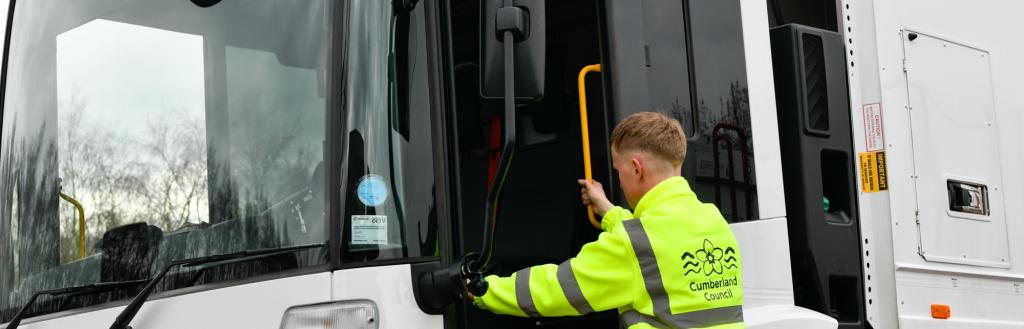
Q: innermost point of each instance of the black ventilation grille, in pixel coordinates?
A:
(814, 81)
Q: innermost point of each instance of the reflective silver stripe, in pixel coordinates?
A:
(571, 288)
(523, 297)
(648, 267)
(656, 288)
(631, 317)
(709, 317)
(696, 319)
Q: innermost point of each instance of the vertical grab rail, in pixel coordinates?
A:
(81, 222)
(585, 132)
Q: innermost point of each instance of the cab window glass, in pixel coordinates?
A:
(666, 52)
(175, 131)
(389, 200)
(720, 154)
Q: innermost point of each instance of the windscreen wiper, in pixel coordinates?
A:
(132, 309)
(86, 289)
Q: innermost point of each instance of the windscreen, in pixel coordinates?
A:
(136, 132)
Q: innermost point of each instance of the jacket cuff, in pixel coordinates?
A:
(614, 217)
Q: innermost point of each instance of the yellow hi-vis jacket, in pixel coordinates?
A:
(674, 263)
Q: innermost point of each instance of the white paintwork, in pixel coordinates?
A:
(786, 317)
(875, 219)
(262, 304)
(391, 288)
(903, 284)
(767, 276)
(3, 27)
(771, 199)
(764, 244)
(941, 104)
(254, 305)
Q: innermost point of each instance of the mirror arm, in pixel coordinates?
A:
(440, 287)
(475, 267)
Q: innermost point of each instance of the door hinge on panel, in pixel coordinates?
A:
(920, 242)
(904, 65)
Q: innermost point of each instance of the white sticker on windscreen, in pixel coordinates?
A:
(369, 229)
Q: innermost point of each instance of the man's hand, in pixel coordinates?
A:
(469, 295)
(592, 194)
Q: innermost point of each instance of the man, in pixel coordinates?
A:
(672, 263)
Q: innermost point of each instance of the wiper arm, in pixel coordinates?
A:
(90, 288)
(132, 309)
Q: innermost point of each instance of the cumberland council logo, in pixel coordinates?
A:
(709, 260)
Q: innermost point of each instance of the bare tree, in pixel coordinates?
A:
(159, 178)
(175, 151)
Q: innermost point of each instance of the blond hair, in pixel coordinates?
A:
(651, 132)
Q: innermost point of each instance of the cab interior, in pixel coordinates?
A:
(541, 219)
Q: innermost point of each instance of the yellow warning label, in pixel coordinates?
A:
(872, 172)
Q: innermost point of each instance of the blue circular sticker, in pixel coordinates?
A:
(371, 190)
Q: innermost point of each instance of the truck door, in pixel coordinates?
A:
(541, 218)
(682, 58)
(686, 59)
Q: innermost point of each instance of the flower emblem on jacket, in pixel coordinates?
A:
(709, 259)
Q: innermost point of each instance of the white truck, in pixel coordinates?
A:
(339, 163)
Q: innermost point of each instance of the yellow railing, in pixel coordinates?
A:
(585, 130)
(81, 222)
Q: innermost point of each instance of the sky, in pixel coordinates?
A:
(129, 74)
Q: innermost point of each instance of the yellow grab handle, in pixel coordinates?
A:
(585, 130)
(81, 223)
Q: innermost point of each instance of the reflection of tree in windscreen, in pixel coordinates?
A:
(27, 211)
(270, 159)
(158, 178)
(175, 149)
(733, 108)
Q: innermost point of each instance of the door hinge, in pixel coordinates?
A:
(904, 65)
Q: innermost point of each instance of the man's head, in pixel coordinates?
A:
(647, 148)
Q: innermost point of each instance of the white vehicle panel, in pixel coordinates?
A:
(786, 317)
(252, 305)
(906, 285)
(771, 199)
(767, 275)
(390, 287)
(875, 217)
(954, 139)
(3, 28)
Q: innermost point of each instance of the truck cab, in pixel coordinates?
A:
(324, 164)
(364, 130)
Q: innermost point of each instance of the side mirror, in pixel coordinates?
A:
(529, 49)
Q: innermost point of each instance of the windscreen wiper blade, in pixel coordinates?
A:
(132, 309)
(86, 289)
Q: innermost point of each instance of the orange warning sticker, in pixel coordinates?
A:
(872, 172)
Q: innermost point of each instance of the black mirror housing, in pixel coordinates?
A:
(529, 49)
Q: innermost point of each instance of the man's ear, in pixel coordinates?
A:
(638, 167)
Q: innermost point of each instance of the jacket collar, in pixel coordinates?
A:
(673, 187)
